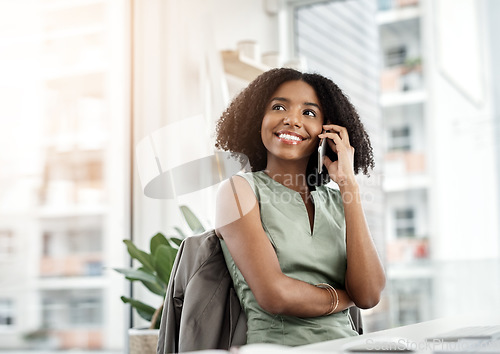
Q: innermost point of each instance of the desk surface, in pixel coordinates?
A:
(415, 334)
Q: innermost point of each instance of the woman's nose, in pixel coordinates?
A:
(293, 119)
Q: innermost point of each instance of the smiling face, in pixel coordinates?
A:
(292, 121)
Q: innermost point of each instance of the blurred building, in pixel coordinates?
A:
(403, 102)
(440, 167)
(427, 102)
(63, 197)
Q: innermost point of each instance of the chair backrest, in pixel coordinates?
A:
(356, 320)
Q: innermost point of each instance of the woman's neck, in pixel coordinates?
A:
(291, 175)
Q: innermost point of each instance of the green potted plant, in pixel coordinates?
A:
(154, 273)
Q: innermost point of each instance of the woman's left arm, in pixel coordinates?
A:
(365, 278)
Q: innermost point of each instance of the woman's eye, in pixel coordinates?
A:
(278, 107)
(310, 113)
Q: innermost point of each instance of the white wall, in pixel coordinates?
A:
(460, 114)
(233, 21)
(493, 9)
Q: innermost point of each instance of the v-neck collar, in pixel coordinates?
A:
(298, 195)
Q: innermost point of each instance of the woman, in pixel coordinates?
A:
(299, 252)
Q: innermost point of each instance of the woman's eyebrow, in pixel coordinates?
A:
(283, 99)
(312, 104)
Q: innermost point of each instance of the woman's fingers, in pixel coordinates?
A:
(333, 138)
(343, 167)
(342, 131)
(329, 135)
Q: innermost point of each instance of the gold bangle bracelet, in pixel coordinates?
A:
(337, 296)
(333, 295)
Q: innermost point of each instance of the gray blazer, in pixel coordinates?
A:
(201, 309)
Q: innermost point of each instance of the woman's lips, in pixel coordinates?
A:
(288, 137)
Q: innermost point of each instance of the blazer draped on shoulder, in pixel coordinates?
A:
(201, 309)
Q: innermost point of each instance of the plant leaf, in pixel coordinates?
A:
(175, 240)
(156, 240)
(158, 288)
(146, 270)
(164, 258)
(180, 232)
(145, 311)
(136, 274)
(150, 281)
(191, 219)
(141, 256)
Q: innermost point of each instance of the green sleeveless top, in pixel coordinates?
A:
(314, 258)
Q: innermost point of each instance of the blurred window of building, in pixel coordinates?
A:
(412, 299)
(404, 221)
(6, 312)
(64, 157)
(86, 311)
(6, 243)
(383, 5)
(400, 139)
(395, 56)
(94, 268)
(63, 309)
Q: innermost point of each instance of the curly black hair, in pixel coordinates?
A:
(238, 129)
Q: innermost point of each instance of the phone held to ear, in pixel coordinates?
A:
(321, 154)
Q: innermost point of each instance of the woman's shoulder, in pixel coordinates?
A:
(240, 184)
(255, 179)
(236, 191)
(235, 199)
(250, 175)
(247, 175)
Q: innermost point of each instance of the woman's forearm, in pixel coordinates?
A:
(365, 278)
(296, 298)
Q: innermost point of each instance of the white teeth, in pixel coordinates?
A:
(289, 137)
